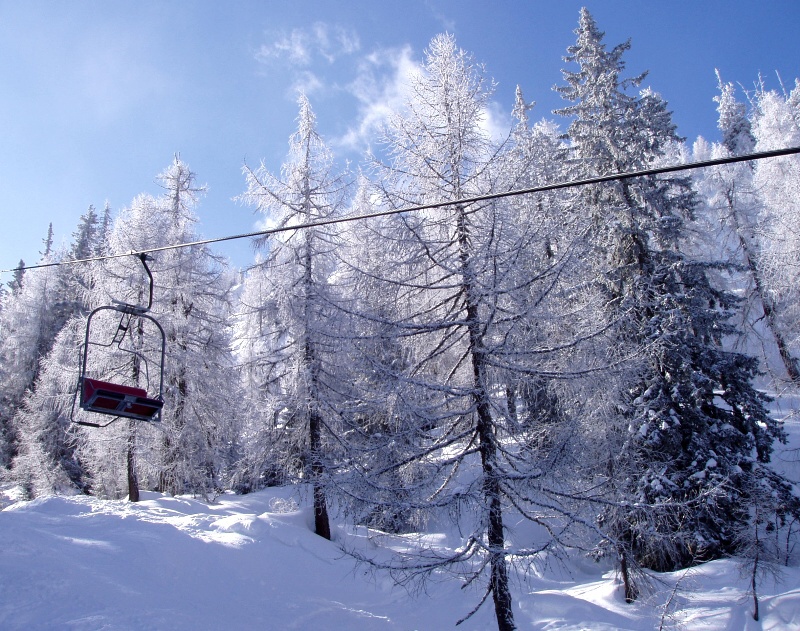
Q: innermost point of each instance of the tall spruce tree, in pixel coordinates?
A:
(440, 153)
(732, 197)
(776, 125)
(688, 431)
(15, 284)
(31, 317)
(46, 461)
(47, 335)
(191, 450)
(195, 306)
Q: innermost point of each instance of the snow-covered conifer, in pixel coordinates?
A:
(737, 134)
(777, 181)
(289, 315)
(27, 331)
(462, 316)
(190, 450)
(34, 398)
(686, 421)
(46, 461)
(735, 214)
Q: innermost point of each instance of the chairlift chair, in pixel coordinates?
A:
(112, 398)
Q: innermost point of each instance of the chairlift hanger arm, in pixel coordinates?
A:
(144, 257)
(124, 307)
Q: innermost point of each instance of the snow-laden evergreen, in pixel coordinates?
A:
(463, 322)
(777, 124)
(734, 232)
(193, 448)
(38, 341)
(689, 435)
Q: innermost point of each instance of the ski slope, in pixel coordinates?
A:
(251, 562)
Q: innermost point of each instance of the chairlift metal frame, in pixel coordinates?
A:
(114, 399)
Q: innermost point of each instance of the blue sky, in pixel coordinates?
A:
(97, 97)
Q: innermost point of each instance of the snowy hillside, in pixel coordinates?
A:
(251, 562)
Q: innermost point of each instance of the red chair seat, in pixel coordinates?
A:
(112, 398)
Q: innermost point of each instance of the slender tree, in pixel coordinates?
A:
(460, 310)
(46, 461)
(15, 284)
(29, 323)
(48, 241)
(777, 125)
(731, 193)
(295, 362)
(45, 340)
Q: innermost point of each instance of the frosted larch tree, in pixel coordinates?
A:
(295, 365)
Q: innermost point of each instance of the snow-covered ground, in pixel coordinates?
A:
(252, 562)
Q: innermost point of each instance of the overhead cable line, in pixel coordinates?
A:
(761, 155)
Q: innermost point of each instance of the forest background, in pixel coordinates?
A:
(596, 362)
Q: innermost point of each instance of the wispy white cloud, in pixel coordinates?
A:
(335, 41)
(293, 47)
(496, 121)
(380, 88)
(301, 46)
(306, 82)
(448, 24)
(326, 61)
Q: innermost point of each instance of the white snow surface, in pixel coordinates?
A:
(252, 562)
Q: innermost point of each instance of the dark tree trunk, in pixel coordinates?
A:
(630, 589)
(755, 593)
(511, 402)
(756, 559)
(501, 594)
(321, 522)
(133, 480)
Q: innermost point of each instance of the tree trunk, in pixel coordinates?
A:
(511, 403)
(630, 589)
(501, 594)
(789, 362)
(755, 595)
(756, 559)
(321, 522)
(133, 480)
